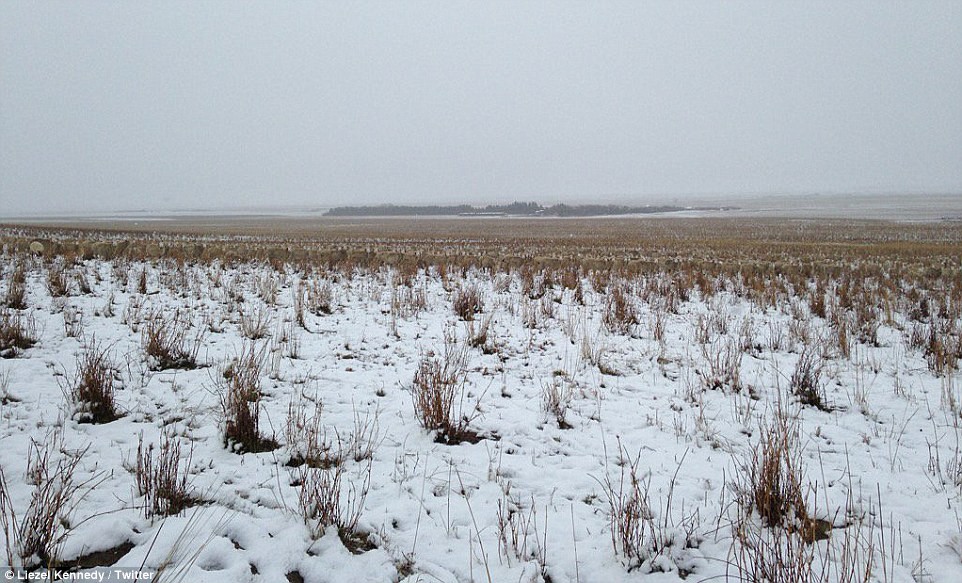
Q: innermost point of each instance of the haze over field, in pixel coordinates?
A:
(115, 106)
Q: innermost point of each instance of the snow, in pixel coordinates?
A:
(885, 451)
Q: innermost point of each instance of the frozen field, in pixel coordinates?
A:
(454, 424)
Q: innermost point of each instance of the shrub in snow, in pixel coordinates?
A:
(467, 302)
(168, 343)
(91, 391)
(162, 477)
(438, 393)
(239, 387)
(35, 538)
(17, 333)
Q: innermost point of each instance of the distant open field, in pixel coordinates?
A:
(629, 245)
(815, 228)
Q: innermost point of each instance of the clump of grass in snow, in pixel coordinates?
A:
(168, 343)
(438, 393)
(619, 315)
(644, 539)
(16, 296)
(92, 391)
(35, 538)
(18, 332)
(329, 499)
(307, 440)
(239, 388)
(58, 280)
(806, 381)
(467, 302)
(556, 399)
(162, 478)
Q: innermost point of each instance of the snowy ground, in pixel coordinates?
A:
(531, 500)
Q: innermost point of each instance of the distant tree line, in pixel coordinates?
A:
(515, 209)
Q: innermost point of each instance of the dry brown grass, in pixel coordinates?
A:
(239, 389)
(556, 397)
(58, 278)
(620, 315)
(307, 440)
(16, 296)
(467, 302)
(329, 498)
(860, 278)
(162, 476)
(438, 394)
(92, 390)
(768, 257)
(34, 538)
(169, 342)
(18, 332)
(640, 531)
(806, 381)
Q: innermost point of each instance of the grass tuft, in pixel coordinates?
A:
(438, 393)
(239, 387)
(162, 478)
(168, 343)
(18, 332)
(92, 391)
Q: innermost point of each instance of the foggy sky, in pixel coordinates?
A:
(111, 106)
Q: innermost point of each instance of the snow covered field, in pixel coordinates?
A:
(584, 426)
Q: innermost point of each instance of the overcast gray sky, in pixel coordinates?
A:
(110, 106)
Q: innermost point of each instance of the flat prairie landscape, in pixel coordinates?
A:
(725, 396)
